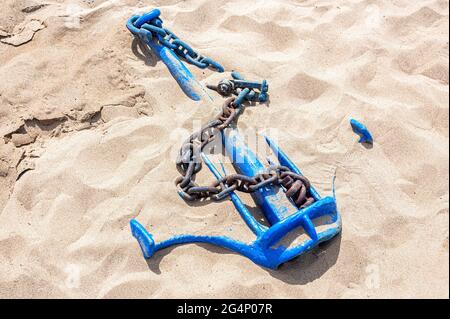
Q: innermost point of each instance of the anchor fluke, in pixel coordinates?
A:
(144, 238)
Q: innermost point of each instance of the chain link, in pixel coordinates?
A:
(256, 91)
(189, 163)
(153, 29)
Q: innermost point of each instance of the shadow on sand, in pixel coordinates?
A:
(143, 52)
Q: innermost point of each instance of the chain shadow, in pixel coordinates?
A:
(257, 214)
(299, 271)
(143, 52)
(203, 202)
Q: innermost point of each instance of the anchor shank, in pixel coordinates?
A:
(270, 198)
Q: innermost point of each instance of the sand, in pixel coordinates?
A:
(90, 125)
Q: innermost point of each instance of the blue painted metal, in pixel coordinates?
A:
(362, 131)
(148, 33)
(153, 23)
(243, 95)
(282, 214)
(263, 87)
(244, 89)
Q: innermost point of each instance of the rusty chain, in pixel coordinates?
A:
(189, 163)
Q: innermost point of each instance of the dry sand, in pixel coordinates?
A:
(90, 124)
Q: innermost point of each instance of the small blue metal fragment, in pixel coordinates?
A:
(362, 131)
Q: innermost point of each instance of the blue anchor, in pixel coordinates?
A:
(320, 221)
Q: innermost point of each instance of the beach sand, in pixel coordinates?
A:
(91, 122)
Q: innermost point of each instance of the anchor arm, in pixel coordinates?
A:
(251, 222)
(302, 218)
(291, 253)
(284, 160)
(251, 251)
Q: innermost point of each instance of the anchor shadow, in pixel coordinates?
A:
(143, 52)
(298, 271)
(310, 266)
